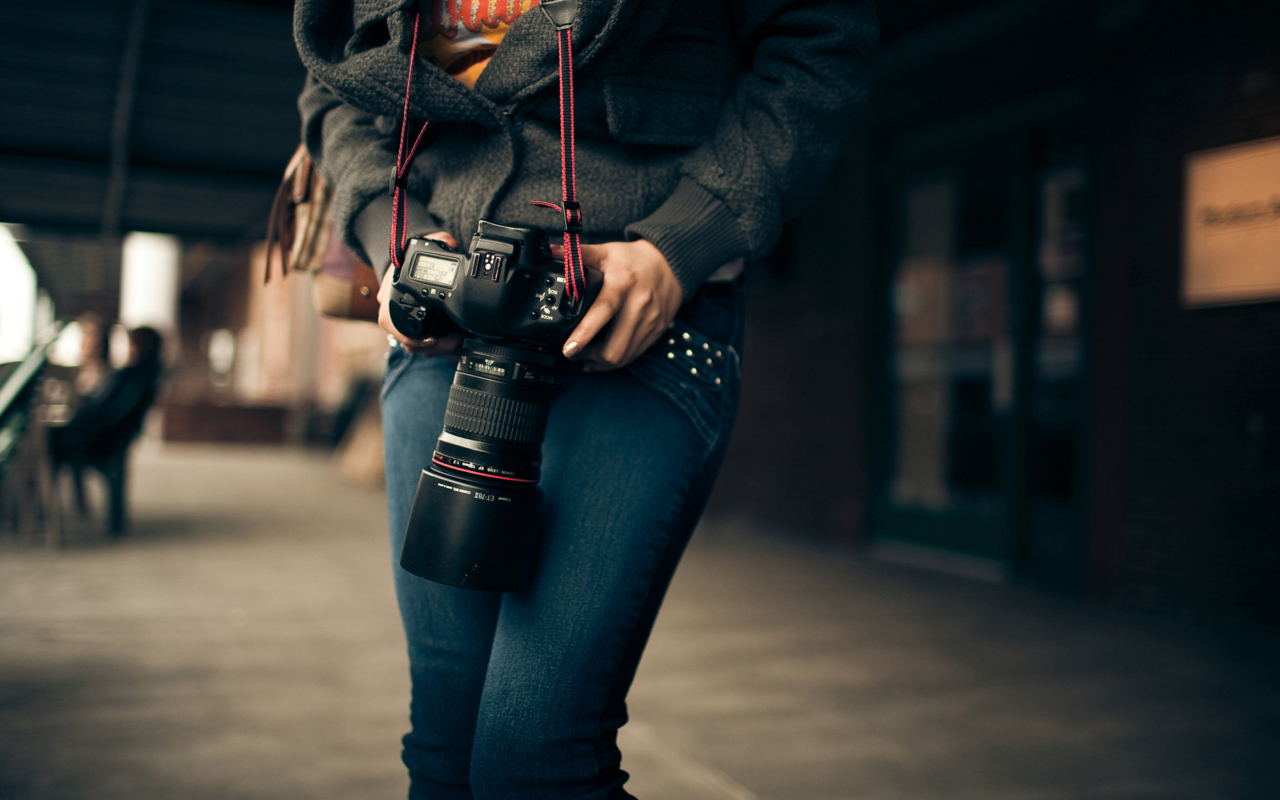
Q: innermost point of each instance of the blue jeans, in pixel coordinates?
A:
(520, 695)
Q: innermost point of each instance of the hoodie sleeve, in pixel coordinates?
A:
(779, 132)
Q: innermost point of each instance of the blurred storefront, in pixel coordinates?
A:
(262, 366)
(1061, 311)
(177, 118)
(1028, 329)
(987, 247)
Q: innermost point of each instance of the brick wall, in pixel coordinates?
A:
(797, 461)
(1201, 530)
(1184, 484)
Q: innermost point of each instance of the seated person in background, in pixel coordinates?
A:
(93, 354)
(108, 419)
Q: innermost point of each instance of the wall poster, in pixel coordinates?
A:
(1231, 225)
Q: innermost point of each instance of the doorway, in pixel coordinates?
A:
(982, 419)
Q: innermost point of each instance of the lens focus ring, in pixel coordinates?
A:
(483, 414)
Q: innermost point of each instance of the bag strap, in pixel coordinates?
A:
(561, 14)
(282, 218)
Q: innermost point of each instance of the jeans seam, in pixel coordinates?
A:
(394, 372)
(667, 525)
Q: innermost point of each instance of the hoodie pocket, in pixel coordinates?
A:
(660, 111)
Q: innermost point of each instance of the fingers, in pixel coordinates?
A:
(384, 313)
(434, 346)
(429, 346)
(602, 310)
(614, 350)
(384, 291)
(611, 297)
(634, 329)
(638, 299)
(592, 254)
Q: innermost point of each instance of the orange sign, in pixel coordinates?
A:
(1231, 225)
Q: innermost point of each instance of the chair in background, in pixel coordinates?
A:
(104, 426)
(28, 495)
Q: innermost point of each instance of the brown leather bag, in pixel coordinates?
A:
(301, 222)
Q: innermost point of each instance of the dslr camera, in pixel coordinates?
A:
(474, 522)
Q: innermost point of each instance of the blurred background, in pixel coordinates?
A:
(999, 517)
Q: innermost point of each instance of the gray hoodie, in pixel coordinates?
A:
(702, 125)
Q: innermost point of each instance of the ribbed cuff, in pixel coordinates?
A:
(695, 232)
(372, 229)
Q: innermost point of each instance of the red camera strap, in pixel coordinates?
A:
(574, 271)
(574, 275)
(400, 175)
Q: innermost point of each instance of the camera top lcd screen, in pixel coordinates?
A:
(440, 271)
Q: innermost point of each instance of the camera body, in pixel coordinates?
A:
(508, 288)
(476, 513)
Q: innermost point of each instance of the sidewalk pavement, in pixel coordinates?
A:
(243, 642)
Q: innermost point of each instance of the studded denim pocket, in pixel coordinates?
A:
(698, 374)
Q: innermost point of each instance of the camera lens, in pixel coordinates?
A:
(475, 515)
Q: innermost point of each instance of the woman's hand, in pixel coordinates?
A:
(640, 296)
(430, 346)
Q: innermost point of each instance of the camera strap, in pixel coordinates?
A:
(561, 13)
(400, 173)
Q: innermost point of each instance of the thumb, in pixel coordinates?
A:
(444, 236)
(592, 254)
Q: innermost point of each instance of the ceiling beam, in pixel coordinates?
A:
(118, 176)
(198, 202)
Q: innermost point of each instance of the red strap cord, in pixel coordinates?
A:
(400, 175)
(574, 274)
(575, 277)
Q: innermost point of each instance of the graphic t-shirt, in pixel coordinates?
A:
(462, 34)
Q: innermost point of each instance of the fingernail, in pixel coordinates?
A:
(570, 348)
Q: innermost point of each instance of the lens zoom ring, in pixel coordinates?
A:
(495, 350)
(482, 414)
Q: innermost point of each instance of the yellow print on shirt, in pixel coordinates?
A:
(464, 33)
(475, 15)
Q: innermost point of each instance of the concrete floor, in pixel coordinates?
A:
(244, 643)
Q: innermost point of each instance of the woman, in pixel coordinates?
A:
(700, 127)
(106, 422)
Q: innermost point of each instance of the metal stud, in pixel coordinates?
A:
(706, 346)
(718, 354)
(671, 355)
(687, 337)
(710, 362)
(671, 341)
(689, 353)
(717, 381)
(693, 371)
